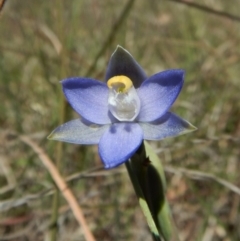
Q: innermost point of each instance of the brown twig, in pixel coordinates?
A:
(62, 185)
(207, 9)
(2, 2)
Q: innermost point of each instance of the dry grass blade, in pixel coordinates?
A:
(68, 195)
(208, 10)
(11, 203)
(203, 175)
(111, 35)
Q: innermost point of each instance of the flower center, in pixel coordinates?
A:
(123, 100)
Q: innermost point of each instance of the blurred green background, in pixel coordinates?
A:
(42, 42)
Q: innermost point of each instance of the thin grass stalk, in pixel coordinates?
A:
(115, 28)
(62, 111)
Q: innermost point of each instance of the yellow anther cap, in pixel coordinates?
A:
(120, 83)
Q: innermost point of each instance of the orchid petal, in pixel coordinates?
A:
(122, 63)
(78, 132)
(89, 98)
(158, 93)
(119, 143)
(167, 126)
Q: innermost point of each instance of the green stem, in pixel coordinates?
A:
(142, 200)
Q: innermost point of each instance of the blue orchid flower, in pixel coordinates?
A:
(119, 113)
